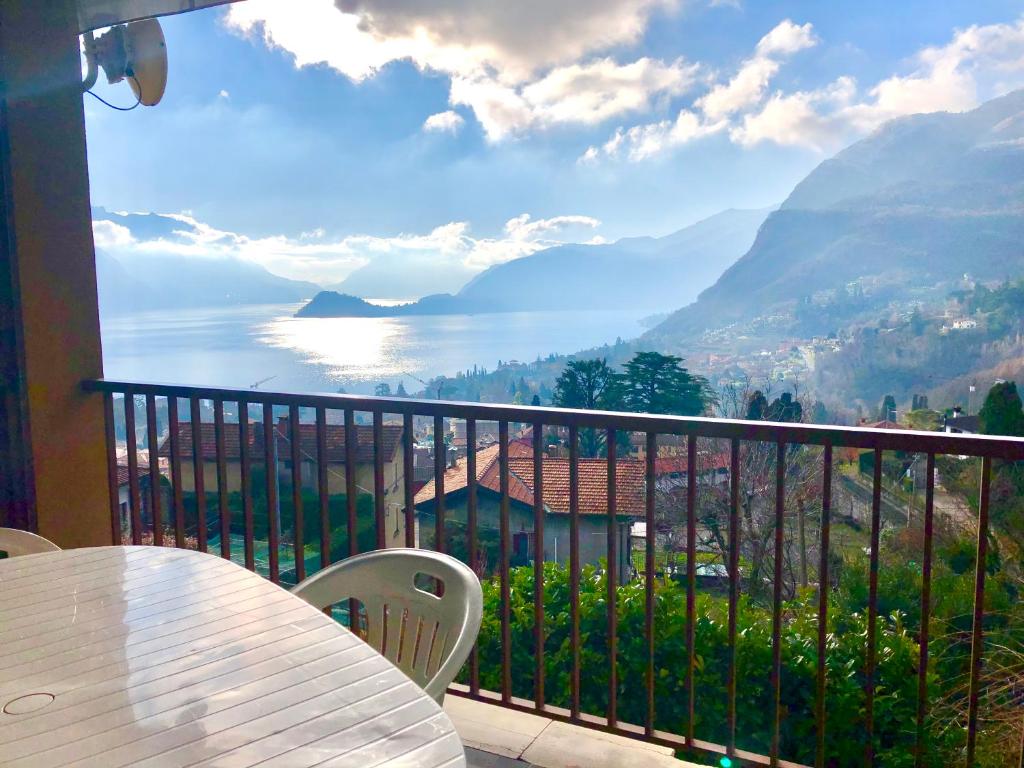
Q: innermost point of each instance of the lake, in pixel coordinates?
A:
(240, 346)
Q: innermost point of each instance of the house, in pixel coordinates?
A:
(961, 423)
(391, 448)
(593, 504)
(124, 490)
(712, 468)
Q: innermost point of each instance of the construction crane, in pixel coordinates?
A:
(257, 384)
(426, 384)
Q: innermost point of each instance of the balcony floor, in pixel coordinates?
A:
(479, 759)
(496, 737)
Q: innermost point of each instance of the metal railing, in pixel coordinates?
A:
(166, 524)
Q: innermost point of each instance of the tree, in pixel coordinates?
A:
(536, 400)
(382, 390)
(757, 404)
(887, 412)
(588, 384)
(785, 408)
(1002, 413)
(656, 383)
(400, 392)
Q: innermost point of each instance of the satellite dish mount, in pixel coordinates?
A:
(135, 52)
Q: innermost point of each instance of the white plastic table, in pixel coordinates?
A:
(148, 656)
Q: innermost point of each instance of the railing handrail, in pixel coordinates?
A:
(915, 441)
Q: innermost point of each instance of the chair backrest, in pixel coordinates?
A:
(16, 543)
(426, 636)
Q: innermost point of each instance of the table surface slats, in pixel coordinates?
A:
(160, 657)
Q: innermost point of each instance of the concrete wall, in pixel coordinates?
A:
(54, 446)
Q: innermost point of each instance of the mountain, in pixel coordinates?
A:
(920, 202)
(639, 272)
(159, 277)
(405, 275)
(334, 304)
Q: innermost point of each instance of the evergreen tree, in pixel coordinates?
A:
(589, 384)
(656, 383)
(1002, 413)
(887, 412)
(785, 408)
(757, 404)
(400, 392)
(536, 400)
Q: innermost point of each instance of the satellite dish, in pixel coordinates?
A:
(147, 60)
(136, 52)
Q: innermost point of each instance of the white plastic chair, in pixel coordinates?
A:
(426, 636)
(16, 543)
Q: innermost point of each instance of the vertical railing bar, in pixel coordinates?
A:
(574, 569)
(734, 589)
(351, 521)
(134, 497)
(408, 470)
(869, 672)
(926, 608)
(613, 581)
(380, 523)
(270, 463)
(977, 637)
(222, 479)
(245, 478)
(538, 566)
(440, 464)
(351, 444)
(506, 599)
(691, 581)
(198, 470)
(471, 538)
(174, 442)
(780, 521)
(323, 487)
(823, 589)
(152, 443)
(649, 498)
(299, 530)
(113, 487)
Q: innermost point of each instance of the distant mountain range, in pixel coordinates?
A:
(638, 272)
(921, 201)
(169, 280)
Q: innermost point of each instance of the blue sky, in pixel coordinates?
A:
(318, 138)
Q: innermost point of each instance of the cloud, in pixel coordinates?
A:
(444, 122)
(710, 112)
(517, 66)
(978, 63)
(313, 256)
(582, 94)
(107, 234)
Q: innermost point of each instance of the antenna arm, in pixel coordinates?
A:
(90, 57)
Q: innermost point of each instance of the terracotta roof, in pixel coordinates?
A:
(392, 434)
(593, 481)
(884, 424)
(123, 475)
(706, 462)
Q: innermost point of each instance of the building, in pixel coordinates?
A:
(593, 503)
(391, 448)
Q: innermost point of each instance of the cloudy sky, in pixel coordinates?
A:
(317, 137)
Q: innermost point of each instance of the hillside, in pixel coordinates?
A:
(918, 203)
(646, 272)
